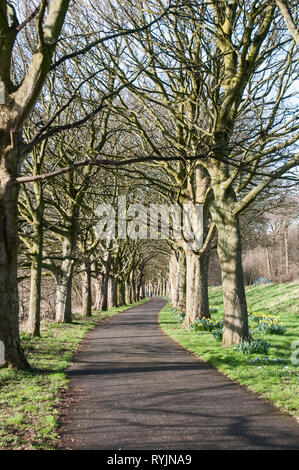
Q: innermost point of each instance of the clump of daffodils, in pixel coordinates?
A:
(268, 324)
(206, 324)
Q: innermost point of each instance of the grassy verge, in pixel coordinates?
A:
(29, 399)
(272, 375)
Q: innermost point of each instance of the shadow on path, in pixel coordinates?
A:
(136, 389)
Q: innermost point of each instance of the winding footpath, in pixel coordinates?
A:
(136, 389)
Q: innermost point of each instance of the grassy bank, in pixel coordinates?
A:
(29, 399)
(272, 374)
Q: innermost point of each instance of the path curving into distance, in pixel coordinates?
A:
(137, 389)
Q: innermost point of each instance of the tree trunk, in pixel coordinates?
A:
(114, 293)
(230, 256)
(143, 290)
(105, 292)
(98, 292)
(174, 279)
(133, 285)
(268, 262)
(33, 325)
(64, 286)
(61, 299)
(121, 294)
(86, 290)
(109, 293)
(139, 287)
(286, 247)
(127, 292)
(9, 308)
(68, 309)
(197, 296)
(130, 291)
(164, 288)
(182, 281)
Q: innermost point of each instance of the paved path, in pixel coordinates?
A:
(140, 390)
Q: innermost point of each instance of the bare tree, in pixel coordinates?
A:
(19, 101)
(22, 86)
(224, 73)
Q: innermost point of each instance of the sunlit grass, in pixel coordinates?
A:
(273, 375)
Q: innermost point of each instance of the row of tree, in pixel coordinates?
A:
(180, 102)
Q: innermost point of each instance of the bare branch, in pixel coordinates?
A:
(286, 13)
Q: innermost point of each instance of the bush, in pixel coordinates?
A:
(253, 346)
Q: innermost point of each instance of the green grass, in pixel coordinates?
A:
(273, 376)
(29, 400)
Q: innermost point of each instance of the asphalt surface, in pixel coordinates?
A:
(132, 387)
